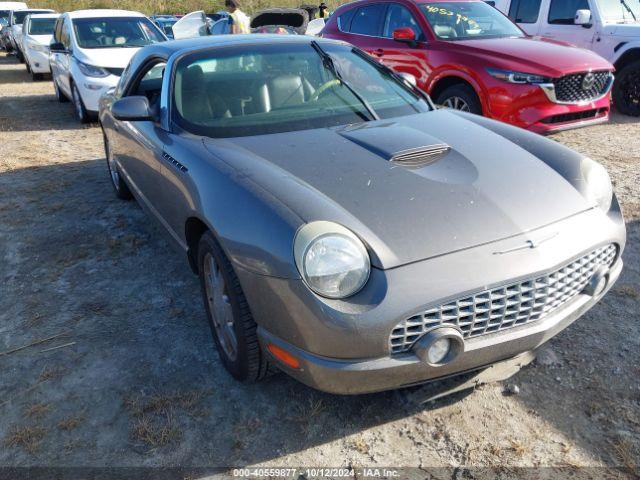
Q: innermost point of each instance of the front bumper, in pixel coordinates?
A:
(529, 106)
(343, 345)
(373, 375)
(91, 89)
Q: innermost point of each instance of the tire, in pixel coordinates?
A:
(247, 363)
(19, 55)
(26, 64)
(118, 183)
(626, 90)
(460, 97)
(78, 105)
(59, 95)
(36, 77)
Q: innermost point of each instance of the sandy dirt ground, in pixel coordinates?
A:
(119, 368)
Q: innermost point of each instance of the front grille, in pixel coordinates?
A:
(115, 71)
(571, 88)
(575, 116)
(507, 306)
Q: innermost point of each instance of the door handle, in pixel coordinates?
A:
(379, 52)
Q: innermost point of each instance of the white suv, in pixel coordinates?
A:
(610, 28)
(90, 50)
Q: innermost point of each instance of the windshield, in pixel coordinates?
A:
(41, 26)
(258, 90)
(468, 20)
(616, 11)
(18, 17)
(115, 32)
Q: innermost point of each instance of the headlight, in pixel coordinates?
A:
(516, 77)
(333, 262)
(598, 188)
(91, 70)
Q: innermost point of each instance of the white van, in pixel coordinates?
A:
(90, 50)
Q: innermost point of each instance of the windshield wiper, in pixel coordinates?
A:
(329, 65)
(628, 8)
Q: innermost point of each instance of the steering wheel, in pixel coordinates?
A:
(323, 88)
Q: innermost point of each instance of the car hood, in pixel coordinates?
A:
(631, 30)
(106, 57)
(535, 55)
(484, 189)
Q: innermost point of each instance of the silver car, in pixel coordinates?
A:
(346, 231)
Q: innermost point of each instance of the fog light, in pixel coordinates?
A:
(598, 282)
(440, 346)
(439, 350)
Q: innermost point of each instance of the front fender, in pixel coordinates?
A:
(629, 48)
(466, 76)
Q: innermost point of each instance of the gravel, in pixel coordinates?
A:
(135, 380)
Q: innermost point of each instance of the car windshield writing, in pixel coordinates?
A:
(115, 32)
(468, 20)
(41, 26)
(260, 90)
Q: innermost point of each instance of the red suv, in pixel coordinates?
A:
(469, 56)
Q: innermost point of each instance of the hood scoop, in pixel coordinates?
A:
(421, 157)
(399, 144)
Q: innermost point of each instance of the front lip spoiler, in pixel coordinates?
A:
(583, 123)
(550, 91)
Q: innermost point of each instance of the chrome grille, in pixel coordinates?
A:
(507, 306)
(570, 88)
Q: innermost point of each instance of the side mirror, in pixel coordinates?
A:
(132, 109)
(57, 47)
(404, 35)
(407, 77)
(583, 17)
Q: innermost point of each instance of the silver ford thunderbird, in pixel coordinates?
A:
(343, 229)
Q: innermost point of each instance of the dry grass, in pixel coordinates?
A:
(28, 438)
(155, 431)
(37, 410)
(518, 447)
(71, 422)
(360, 445)
(628, 455)
(169, 6)
(154, 421)
(628, 291)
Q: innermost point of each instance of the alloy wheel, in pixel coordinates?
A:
(457, 103)
(220, 307)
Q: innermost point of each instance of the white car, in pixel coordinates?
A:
(37, 32)
(15, 28)
(5, 13)
(610, 28)
(90, 50)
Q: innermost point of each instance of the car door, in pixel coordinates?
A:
(62, 60)
(407, 57)
(192, 25)
(139, 144)
(363, 28)
(559, 23)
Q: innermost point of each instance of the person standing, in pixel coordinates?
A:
(240, 19)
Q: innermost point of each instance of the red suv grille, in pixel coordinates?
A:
(578, 88)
